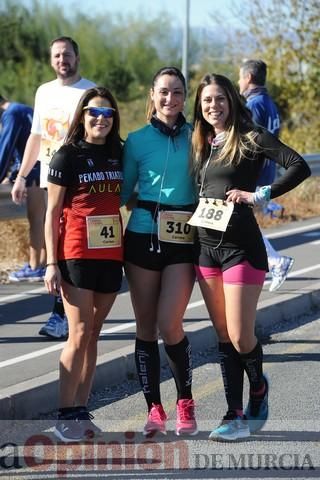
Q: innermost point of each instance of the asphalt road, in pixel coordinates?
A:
(29, 362)
(286, 448)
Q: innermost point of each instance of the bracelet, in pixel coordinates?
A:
(262, 195)
(23, 178)
(52, 263)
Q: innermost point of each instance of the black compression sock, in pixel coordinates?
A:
(232, 375)
(148, 368)
(180, 361)
(58, 306)
(252, 363)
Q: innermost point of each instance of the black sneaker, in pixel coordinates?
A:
(69, 428)
(90, 429)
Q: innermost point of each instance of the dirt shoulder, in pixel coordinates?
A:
(14, 233)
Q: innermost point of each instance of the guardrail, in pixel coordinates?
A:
(313, 160)
(8, 210)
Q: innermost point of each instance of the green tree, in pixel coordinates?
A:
(286, 36)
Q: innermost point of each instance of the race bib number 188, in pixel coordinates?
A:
(212, 213)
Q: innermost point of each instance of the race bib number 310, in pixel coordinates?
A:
(173, 227)
(212, 213)
(104, 231)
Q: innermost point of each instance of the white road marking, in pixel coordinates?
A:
(118, 328)
(297, 273)
(42, 289)
(59, 346)
(25, 294)
(199, 303)
(291, 231)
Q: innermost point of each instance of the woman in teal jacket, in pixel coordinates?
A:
(159, 246)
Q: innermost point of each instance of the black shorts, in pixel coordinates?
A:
(145, 251)
(227, 257)
(32, 178)
(102, 276)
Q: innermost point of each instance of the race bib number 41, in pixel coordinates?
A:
(212, 213)
(104, 231)
(173, 227)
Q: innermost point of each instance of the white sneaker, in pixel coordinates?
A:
(56, 327)
(280, 272)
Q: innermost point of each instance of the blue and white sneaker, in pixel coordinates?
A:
(56, 327)
(69, 428)
(231, 428)
(27, 274)
(280, 272)
(257, 410)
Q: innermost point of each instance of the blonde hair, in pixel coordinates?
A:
(240, 132)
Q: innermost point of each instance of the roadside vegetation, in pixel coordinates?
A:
(122, 52)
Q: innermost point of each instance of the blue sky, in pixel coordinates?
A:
(200, 10)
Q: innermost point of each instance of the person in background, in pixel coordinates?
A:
(16, 119)
(55, 104)
(159, 246)
(83, 233)
(252, 80)
(228, 151)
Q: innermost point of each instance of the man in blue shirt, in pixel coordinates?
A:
(252, 79)
(16, 119)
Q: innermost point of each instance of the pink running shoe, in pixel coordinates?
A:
(186, 421)
(156, 420)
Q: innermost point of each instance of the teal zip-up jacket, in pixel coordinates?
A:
(159, 166)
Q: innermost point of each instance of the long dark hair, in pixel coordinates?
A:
(76, 130)
(175, 72)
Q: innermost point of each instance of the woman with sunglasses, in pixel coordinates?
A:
(158, 246)
(84, 244)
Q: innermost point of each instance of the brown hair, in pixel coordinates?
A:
(150, 110)
(70, 40)
(239, 127)
(76, 131)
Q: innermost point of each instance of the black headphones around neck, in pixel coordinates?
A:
(169, 131)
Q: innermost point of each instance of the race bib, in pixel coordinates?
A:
(54, 125)
(47, 149)
(104, 231)
(212, 213)
(173, 227)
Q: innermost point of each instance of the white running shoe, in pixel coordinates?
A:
(280, 272)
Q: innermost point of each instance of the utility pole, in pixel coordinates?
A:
(185, 44)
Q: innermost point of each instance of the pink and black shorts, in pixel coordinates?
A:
(229, 263)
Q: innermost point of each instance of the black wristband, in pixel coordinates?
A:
(52, 263)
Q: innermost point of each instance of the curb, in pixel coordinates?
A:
(39, 395)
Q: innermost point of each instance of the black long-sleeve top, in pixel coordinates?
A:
(243, 231)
